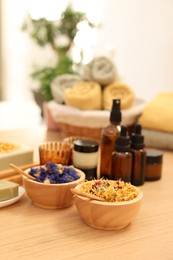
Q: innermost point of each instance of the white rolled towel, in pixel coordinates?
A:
(102, 70)
(62, 82)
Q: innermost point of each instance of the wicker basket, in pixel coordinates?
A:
(129, 117)
(71, 130)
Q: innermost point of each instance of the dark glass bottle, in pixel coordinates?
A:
(138, 157)
(122, 157)
(108, 138)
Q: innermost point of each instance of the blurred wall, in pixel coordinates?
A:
(16, 52)
(140, 33)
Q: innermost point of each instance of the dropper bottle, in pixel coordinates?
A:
(122, 157)
(138, 156)
(108, 138)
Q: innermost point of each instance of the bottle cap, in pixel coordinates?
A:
(137, 139)
(85, 146)
(115, 115)
(123, 141)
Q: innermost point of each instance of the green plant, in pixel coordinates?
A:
(51, 33)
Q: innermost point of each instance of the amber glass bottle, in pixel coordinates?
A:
(108, 138)
(153, 169)
(138, 157)
(122, 157)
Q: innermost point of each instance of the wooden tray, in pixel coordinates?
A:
(12, 175)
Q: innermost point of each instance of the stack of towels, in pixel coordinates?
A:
(85, 100)
(95, 89)
(157, 121)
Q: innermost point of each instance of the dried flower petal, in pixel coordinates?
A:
(54, 173)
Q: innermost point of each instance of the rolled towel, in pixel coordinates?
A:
(120, 91)
(102, 70)
(158, 113)
(84, 95)
(62, 82)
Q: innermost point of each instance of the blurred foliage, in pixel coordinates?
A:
(59, 35)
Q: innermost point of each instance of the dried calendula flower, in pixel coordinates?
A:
(110, 190)
(8, 147)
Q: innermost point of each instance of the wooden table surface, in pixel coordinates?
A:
(28, 232)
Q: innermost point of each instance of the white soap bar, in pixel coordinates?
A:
(8, 190)
(16, 154)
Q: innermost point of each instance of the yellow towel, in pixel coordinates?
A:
(84, 96)
(118, 90)
(158, 113)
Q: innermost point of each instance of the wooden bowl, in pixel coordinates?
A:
(107, 215)
(51, 196)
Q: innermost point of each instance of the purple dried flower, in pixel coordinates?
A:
(55, 173)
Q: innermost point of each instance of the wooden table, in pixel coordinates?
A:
(28, 232)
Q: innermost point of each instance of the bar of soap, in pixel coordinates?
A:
(8, 190)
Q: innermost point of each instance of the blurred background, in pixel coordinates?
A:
(136, 34)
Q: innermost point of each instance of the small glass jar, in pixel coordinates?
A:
(57, 152)
(85, 157)
(153, 165)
